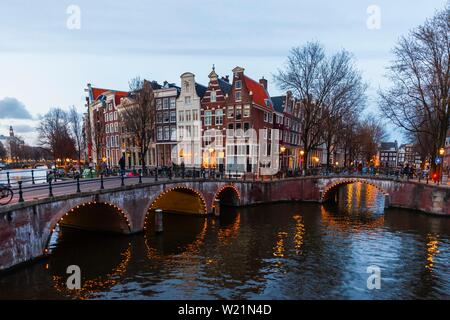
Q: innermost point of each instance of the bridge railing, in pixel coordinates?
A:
(29, 186)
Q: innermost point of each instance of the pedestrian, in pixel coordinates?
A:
(122, 165)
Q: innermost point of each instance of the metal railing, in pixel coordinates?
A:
(31, 187)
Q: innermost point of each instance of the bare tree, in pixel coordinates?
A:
(345, 101)
(418, 100)
(138, 116)
(54, 134)
(75, 120)
(324, 86)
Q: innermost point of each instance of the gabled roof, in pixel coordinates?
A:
(388, 145)
(260, 94)
(225, 86)
(278, 103)
(98, 92)
(200, 89)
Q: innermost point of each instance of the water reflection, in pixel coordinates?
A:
(282, 251)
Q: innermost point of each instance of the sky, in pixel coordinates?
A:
(50, 50)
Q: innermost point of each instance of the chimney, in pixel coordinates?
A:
(263, 82)
(226, 78)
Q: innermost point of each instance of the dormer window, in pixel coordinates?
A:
(238, 84)
(238, 96)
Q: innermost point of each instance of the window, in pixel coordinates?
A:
(195, 115)
(116, 127)
(219, 117)
(238, 96)
(230, 112)
(159, 117)
(166, 133)
(158, 104)
(173, 116)
(166, 117)
(106, 117)
(107, 128)
(208, 118)
(181, 116)
(187, 100)
(115, 115)
(238, 84)
(246, 126)
(173, 133)
(166, 103)
(110, 106)
(172, 103)
(246, 111)
(188, 115)
(266, 117)
(107, 142)
(238, 113)
(180, 132)
(159, 134)
(117, 141)
(230, 131)
(213, 96)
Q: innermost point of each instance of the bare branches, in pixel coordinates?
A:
(330, 90)
(138, 115)
(418, 100)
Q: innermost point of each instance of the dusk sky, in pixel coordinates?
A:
(45, 64)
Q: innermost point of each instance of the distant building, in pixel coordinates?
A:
(407, 155)
(12, 144)
(388, 154)
(102, 129)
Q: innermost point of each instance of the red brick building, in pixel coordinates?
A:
(103, 132)
(249, 123)
(213, 109)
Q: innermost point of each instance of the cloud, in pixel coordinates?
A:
(11, 108)
(23, 128)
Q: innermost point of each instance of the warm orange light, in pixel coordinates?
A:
(282, 149)
(441, 151)
(302, 152)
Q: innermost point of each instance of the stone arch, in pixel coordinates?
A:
(227, 188)
(158, 200)
(334, 185)
(71, 208)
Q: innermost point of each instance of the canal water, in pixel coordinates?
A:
(277, 251)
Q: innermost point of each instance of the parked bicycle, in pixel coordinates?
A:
(6, 195)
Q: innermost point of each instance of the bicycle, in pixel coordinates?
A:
(6, 195)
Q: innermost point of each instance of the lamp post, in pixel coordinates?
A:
(282, 150)
(441, 164)
(302, 153)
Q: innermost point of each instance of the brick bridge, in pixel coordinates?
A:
(25, 228)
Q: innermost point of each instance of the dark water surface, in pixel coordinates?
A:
(278, 251)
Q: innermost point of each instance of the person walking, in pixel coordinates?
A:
(122, 165)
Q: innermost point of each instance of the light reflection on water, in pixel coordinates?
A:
(279, 251)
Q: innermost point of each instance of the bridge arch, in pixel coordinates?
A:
(178, 200)
(227, 194)
(79, 217)
(341, 182)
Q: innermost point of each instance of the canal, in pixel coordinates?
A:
(277, 251)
